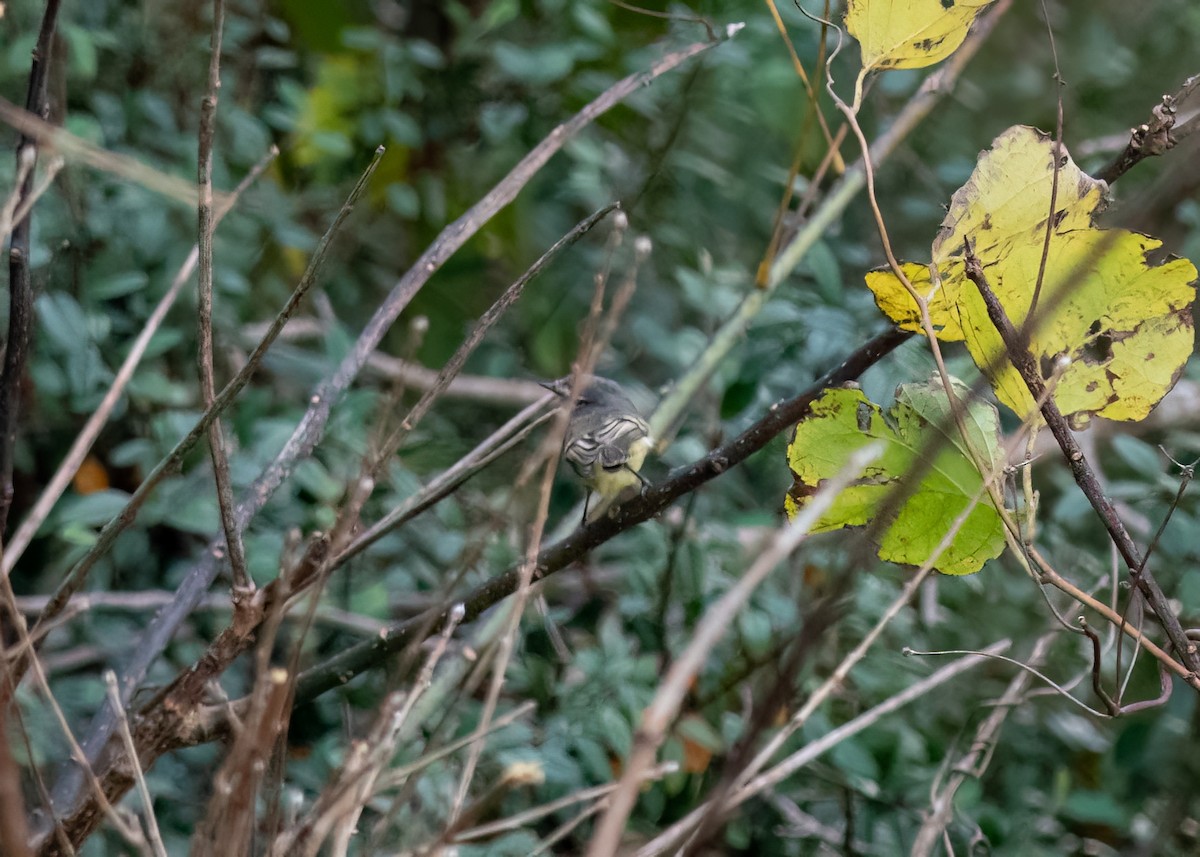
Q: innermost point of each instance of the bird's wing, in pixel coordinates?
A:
(608, 446)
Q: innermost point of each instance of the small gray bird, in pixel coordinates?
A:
(606, 442)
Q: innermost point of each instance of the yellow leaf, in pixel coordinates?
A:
(1123, 324)
(909, 33)
(897, 304)
(1009, 193)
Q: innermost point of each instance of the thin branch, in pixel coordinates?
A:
(480, 388)
(395, 777)
(1054, 687)
(242, 585)
(311, 427)
(1048, 575)
(672, 837)
(1058, 151)
(104, 807)
(1188, 473)
(831, 144)
(1025, 364)
(148, 601)
(75, 149)
(14, 832)
(110, 681)
(1097, 669)
(344, 666)
(719, 617)
(972, 763)
(352, 784)
(668, 16)
(488, 450)
(229, 823)
(1155, 137)
(26, 164)
(522, 819)
(95, 423)
(18, 206)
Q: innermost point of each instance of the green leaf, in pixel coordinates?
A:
(842, 421)
(117, 285)
(91, 510)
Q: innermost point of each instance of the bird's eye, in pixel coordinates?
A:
(580, 401)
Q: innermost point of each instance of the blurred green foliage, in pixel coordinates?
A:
(458, 92)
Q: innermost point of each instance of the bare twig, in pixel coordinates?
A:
(229, 823)
(973, 763)
(1188, 472)
(91, 429)
(521, 819)
(26, 164)
(75, 149)
(242, 585)
(668, 16)
(1024, 363)
(18, 206)
(312, 425)
(14, 832)
(832, 143)
(20, 288)
(1056, 165)
(149, 600)
(670, 838)
(343, 799)
(1157, 136)
(659, 715)
(110, 681)
(480, 388)
(104, 807)
(395, 777)
(496, 444)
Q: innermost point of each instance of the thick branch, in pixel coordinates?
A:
(345, 666)
(165, 732)
(312, 425)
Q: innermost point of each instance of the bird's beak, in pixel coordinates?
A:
(555, 387)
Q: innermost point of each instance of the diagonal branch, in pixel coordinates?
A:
(344, 666)
(312, 425)
(173, 614)
(1023, 361)
(95, 423)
